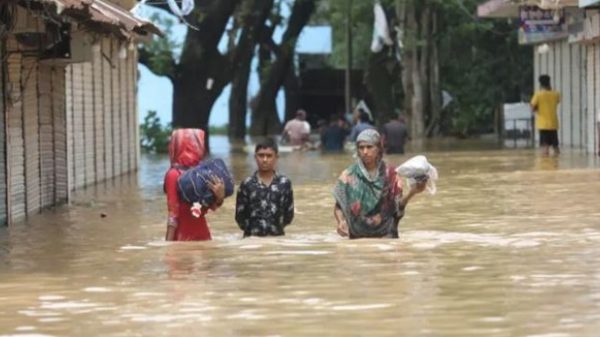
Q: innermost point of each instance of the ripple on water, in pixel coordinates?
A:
(96, 290)
(247, 315)
(361, 307)
(28, 335)
(433, 239)
(166, 318)
(132, 247)
(51, 298)
(299, 252)
(68, 305)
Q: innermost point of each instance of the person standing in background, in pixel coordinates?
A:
(544, 104)
(334, 135)
(395, 135)
(364, 123)
(297, 130)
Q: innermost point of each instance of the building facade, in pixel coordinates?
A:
(68, 113)
(569, 52)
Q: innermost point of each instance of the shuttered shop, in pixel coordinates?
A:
(65, 125)
(3, 213)
(101, 116)
(15, 141)
(566, 63)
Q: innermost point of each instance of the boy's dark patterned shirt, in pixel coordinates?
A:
(262, 210)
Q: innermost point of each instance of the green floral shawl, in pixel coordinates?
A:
(370, 204)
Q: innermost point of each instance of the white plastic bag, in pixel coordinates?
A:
(418, 169)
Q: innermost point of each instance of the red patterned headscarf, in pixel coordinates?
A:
(186, 147)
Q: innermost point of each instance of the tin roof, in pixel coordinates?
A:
(105, 15)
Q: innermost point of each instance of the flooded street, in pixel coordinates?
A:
(509, 246)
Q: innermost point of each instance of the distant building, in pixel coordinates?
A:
(321, 91)
(566, 40)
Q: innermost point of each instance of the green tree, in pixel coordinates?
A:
(493, 67)
(445, 47)
(154, 137)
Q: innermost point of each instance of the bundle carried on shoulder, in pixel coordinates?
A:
(418, 169)
(193, 183)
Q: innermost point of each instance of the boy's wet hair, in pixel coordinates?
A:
(267, 143)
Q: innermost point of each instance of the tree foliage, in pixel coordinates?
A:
(154, 136)
(481, 64)
(203, 69)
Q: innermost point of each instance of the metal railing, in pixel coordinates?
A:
(521, 134)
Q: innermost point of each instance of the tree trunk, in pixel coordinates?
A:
(291, 86)
(238, 101)
(202, 72)
(424, 59)
(403, 9)
(265, 120)
(433, 129)
(380, 83)
(416, 100)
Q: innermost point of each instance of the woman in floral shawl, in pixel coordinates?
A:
(368, 194)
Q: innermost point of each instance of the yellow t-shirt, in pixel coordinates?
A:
(545, 103)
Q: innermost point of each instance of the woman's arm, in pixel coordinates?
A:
(342, 225)
(172, 204)
(217, 186)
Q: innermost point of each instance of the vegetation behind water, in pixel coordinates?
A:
(154, 135)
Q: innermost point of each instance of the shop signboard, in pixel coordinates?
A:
(538, 25)
(586, 3)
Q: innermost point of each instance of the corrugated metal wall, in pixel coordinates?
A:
(59, 125)
(29, 83)
(593, 63)
(35, 129)
(116, 111)
(46, 135)
(566, 63)
(66, 126)
(15, 157)
(101, 115)
(52, 138)
(98, 117)
(3, 213)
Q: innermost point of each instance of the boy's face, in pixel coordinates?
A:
(266, 159)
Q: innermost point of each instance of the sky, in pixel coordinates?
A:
(156, 93)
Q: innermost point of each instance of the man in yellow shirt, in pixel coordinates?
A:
(544, 104)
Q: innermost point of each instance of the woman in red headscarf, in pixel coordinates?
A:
(186, 150)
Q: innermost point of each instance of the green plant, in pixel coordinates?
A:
(154, 137)
(218, 130)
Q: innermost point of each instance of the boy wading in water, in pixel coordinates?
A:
(265, 200)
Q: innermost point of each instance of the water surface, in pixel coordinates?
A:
(509, 246)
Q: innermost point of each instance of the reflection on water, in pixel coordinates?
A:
(508, 247)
